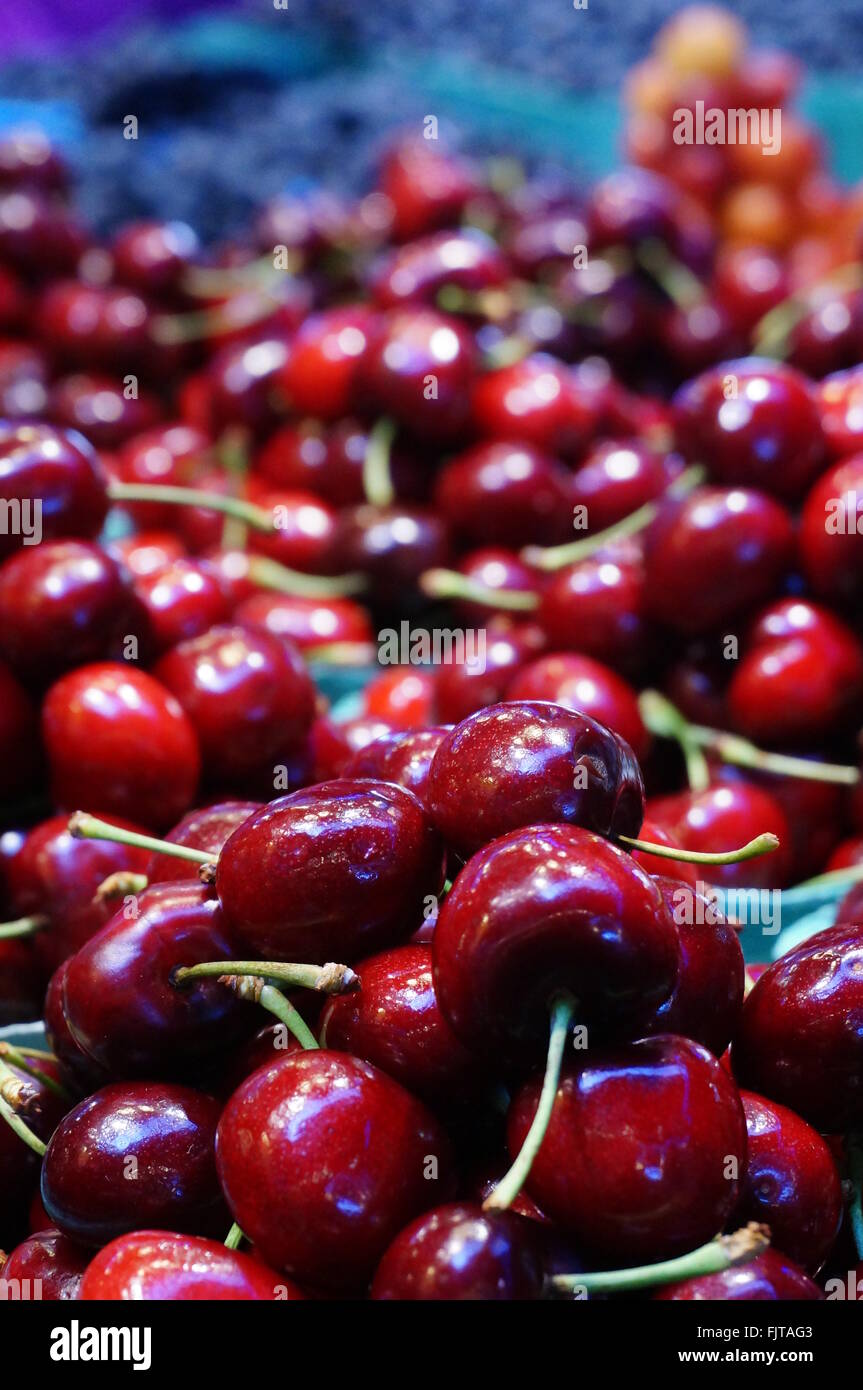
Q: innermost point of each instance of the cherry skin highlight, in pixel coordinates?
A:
(163, 1266)
(462, 1253)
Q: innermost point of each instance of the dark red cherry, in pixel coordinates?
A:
(464, 688)
(206, 829)
(118, 742)
(56, 876)
(402, 695)
(753, 423)
(847, 855)
(418, 367)
(770, 1277)
(792, 1183)
(304, 537)
(504, 493)
(526, 763)
(29, 160)
(536, 401)
(798, 1041)
(392, 546)
(23, 381)
(182, 599)
(77, 1069)
(831, 532)
(696, 684)
(136, 1154)
(38, 236)
(294, 1125)
(19, 738)
(839, 398)
(170, 455)
(121, 1004)
(101, 408)
(152, 257)
(146, 551)
(248, 696)
(544, 909)
(707, 997)
(644, 1154)
(423, 271)
(598, 607)
(710, 556)
(394, 1021)
(296, 457)
(749, 281)
(630, 206)
(580, 683)
(657, 865)
(801, 675)
(94, 327)
(461, 1252)
(499, 571)
(244, 382)
(57, 481)
(307, 622)
(851, 907)
(40, 1109)
(426, 188)
(155, 1265)
(403, 757)
(50, 1262)
(722, 817)
(617, 476)
(330, 873)
(65, 603)
(322, 370)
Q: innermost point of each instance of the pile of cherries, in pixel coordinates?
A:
(404, 1005)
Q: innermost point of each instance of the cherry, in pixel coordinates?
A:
(22, 982)
(598, 607)
(749, 281)
(120, 1001)
(507, 585)
(769, 1277)
(50, 1261)
(636, 1162)
(830, 532)
(146, 551)
(308, 622)
(814, 810)
(57, 475)
(617, 476)
(798, 1042)
(792, 1182)
(118, 742)
(543, 909)
(630, 206)
(707, 997)
(98, 407)
(461, 1252)
(726, 814)
(403, 695)
(426, 189)
(753, 423)
(133, 1155)
(392, 546)
(418, 367)
(94, 327)
(76, 1069)
(172, 454)
(23, 381)
(744, 544)
(39, 1108)
(536, 401)
(152, 257)
(304, 538)
(155, 1265)
(29, 160)
(322, 370)
(206, 829)
(403, 757)
(839, 398)
(56, 876)
(851, 907)
(243, 382)
(296, 457)
(802, 672)
(37, 237)
(62, 604)
(525, 763)
(395, 1022)
(504, 493)
(463, 689)
(541, 241)
(182, 599)
(580, 683)
(847, 855)
(330, 873)
(652, 864)
(428, 269)
(19, 738)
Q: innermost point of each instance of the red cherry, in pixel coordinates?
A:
(392, 546)
(162, 1172)
(50, 1262)
(118, 742)
(248, 697)
(40, 1109)
(769, 1277)
(37, 236)
(831, 532)
(424, 270)
(840, 404)
(635, 1164)
(296, 458)
(463, 689)
(119, 1000)
(152, 257)
(579, 683)
(798, 1042)
(99, 408)
(146, 551)
(23, 381)
(631, 205)
(183, 599)
(330, 873)
(290, 1127)
(403, 757)
(528, 763)
(403, 696)
(305, 530)
(171, 454)
(598, 607)
(321, 374)
(155, 1265)
(792, 1183)
(753, 423)
(206, 829)
(537, 401)
(243, 383)
(617, 476)
(500, 572)
(95, 327)
(78, 1070)
(29, 160)
(418, 367)
(724, 815)
(307, 622)
(462, 1252)
(503, 493)
(57, 476)
(546, 909)
(426, 189)
(846, 855)
(749, 281)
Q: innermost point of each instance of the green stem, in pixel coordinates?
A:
(716, 1255)
(234, 1238)
(256, 517)
(444, 583)
(762, 844)
(324, 979)
(14, 1057)
(342, 653)
(377, 474)
(273, 1000)
(562, 1014)
(270, 574)
(23, 1131)
(682, 287)
(85, 827)
(23, 926)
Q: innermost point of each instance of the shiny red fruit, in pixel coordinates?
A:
(580, 683)
(462, 1253)
(770, 1277)
(155, 1265)
(55, 479)
(50, 1262)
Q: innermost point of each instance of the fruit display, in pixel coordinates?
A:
(431, 700)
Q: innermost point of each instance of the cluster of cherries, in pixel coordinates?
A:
(430, 1024)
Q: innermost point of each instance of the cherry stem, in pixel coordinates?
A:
(556, 557)
(123, 884)
(342, 653)
(562, 1013)
(762, 844)
(682, 287)
(270, 574)
(256, 517)
(23, 1131)
(11, 1055)
(323, 979)
(275, 1002)
(855, 1210)
(772, 333)
(22, 926)
(665, 720)
(718, 1254)
(234, 1238)
(444, 583)
(85, 827)
(377, 474)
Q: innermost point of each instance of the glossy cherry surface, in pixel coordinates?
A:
(206, 828)
(635, 1163)
(617, 477)
(461, 1252)
(133, 1155)
(40, 1109)
(321, 374)
(323, 1160)
(429, 268)
(598, 607)
(770, 1277)
(545, 909)
(55, 473)
(307, 622)
(580, 683)
(505, 493)
(725, 815)
(157, 1265)
(119, 743)
(53, 1260)
(536, 401)
(405, 758)
(182, 599)
(406, 348)
(463, 689)
(529, 762)
(330, 873)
